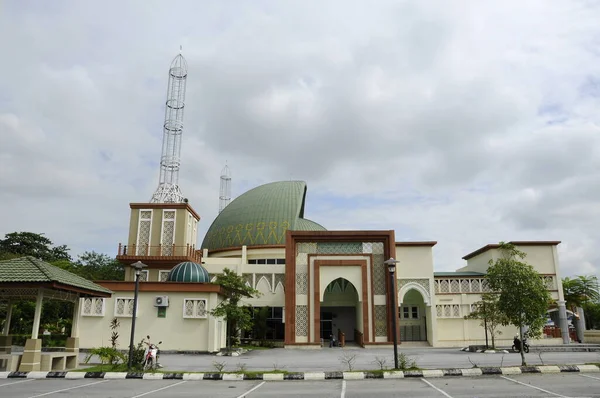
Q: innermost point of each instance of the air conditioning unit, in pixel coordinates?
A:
(161, 301)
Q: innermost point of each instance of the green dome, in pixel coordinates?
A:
(189, 272)
(261, 216)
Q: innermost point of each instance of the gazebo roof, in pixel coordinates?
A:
(30, 272)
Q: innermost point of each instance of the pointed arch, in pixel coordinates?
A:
(263, 285)
(414, 286)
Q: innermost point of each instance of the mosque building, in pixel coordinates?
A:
(317, 284)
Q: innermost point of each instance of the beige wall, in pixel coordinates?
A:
(541, 257)
(181, 227)
(176, 332)
(415, 261)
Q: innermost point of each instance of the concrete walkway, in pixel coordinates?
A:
(335, 359)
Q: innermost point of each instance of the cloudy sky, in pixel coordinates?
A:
(467, 124)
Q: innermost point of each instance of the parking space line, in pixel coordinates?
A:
(435, 388)
(537, 388)
(252, 389)
(343, 389)
(15, 382)
(159, 389)
(591, 377)
(67, 389)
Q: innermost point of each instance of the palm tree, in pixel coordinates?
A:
(580, 291)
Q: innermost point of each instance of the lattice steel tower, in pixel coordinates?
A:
(225, 192)
(168, 183)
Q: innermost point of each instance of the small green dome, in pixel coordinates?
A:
(189, 272)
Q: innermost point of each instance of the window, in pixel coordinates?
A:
(168, 232)
(448, 311)
(144, 232)
(124, 306)
(280, 261)
(92, 307)
(409, 312)
(144, 275)
(163, 276)
(194, 308)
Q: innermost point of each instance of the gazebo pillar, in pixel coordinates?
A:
(73, 341)
(5, 339)
(32, 353)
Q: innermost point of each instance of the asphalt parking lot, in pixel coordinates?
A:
(528, 385)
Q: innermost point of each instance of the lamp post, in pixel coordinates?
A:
(138, 268)
(391, 264)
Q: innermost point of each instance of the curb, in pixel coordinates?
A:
(425, 373)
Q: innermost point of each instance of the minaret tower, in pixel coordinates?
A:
(225, 192)
(168, 183)
(163, 232)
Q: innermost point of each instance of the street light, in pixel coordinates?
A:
(391, 264)
(138, 268)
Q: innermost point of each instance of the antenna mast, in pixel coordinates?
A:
(168, 184)
(225, 192)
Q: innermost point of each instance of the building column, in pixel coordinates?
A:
(580, 324)
(73, 341)
(32, 353)
(5, 339)
(562, 320)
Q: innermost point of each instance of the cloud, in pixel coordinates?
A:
(467, 124)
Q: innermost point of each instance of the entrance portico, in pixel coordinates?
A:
(317, 262)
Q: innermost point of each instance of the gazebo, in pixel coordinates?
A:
(31, 278)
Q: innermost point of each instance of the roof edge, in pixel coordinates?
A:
(141, 205)
(417, 243)
(514, 242)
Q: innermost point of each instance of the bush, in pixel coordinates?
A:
(48, 340)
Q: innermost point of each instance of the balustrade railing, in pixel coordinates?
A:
(159, 251)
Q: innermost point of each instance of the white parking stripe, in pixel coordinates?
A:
(15, 382)
(159, 389)
(537, 388)
(435, 388)
(67, 389)
(252, 389)
(591, 377)
(343, 389)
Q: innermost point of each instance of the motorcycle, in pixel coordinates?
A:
(151, 355)
(517, 344)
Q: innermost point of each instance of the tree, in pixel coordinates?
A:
(98, 266)
(488, 311)
(18, 244)
(582, 291)
(522, 294)
(238, 318)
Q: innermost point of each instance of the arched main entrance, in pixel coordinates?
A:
(340, 310)
(413, 316)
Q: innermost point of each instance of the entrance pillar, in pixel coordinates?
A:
(72, 344)
(562, 321)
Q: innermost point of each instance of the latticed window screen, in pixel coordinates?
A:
(124, 306)
(194, 308)
(92, 307)
(476, 285)
(163, 276)
(168, 232)
(464, 286)
(144, 232)
(454, 286)
(549, 281)
(444, 286)
(448, 310)
(144, 275)
(485, 287)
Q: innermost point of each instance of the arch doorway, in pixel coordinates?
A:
(413, 317)
(340, 310)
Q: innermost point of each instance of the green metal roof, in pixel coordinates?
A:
(189, 272)
(32, 270)
(459, 273)
(261, 216)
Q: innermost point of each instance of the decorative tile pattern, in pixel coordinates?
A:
(549, 281)
(163, 276)
(301, 320)
(380, 320)
(421, 281)
(168, 236)
(379, 283)
(302, 283)
(339, 247)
